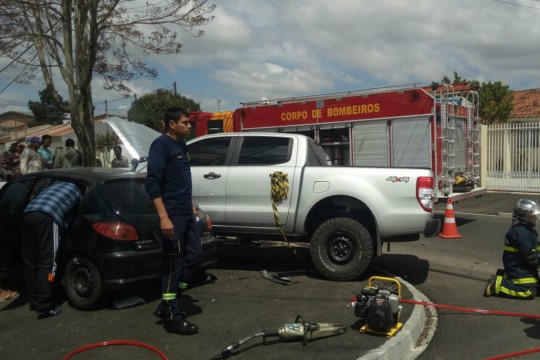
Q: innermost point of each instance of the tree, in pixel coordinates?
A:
(148, 109)
(47, 110)
(80, 39)
(495, 98)
(104, 144)
(495, 102)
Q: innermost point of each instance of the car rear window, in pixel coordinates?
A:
(127, 196)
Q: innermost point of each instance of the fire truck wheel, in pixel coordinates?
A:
(341, 249)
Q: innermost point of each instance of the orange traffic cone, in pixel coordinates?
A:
(449, 230)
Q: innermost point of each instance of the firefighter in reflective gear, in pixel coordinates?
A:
(519, 279)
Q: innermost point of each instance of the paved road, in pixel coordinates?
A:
(241, 303)
(454, 272)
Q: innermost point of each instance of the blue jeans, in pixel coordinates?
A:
(181, 255)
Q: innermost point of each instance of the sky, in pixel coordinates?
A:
(261, 49)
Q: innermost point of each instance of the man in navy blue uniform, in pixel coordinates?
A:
(43, 221)
(168, 182)
(520, 257)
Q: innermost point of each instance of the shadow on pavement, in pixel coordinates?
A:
(409, 267)
(533, 331)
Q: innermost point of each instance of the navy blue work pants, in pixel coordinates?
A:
(181, 257)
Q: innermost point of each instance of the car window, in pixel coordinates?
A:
(127, 196)
(209, 151)
(265, 150)
(15, 196)
(41, 184)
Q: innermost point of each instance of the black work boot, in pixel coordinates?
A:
(182, 328)
(490, 287)
(160, 313)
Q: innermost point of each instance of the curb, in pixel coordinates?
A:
(415, 335)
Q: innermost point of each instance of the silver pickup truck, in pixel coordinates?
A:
(344, 212)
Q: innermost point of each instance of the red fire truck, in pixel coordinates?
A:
(400, 126)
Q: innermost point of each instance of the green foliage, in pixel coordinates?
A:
(104, 144)
(148, 109)
(88, 39)
(47, 110)
(495, 102)
(495, 98)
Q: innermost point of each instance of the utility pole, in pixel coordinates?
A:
(106, 109)
(174, 88)
(218, 104)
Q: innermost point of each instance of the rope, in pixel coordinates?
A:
(279, 183)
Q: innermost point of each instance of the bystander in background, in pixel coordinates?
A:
(72, 155)
(119, 161)
(45, 152)
(31, 161)
(60, 160)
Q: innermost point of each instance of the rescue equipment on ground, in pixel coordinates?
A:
(378, 306)
(306, 331)
(299, 330)
(277, 278)
(449, 230)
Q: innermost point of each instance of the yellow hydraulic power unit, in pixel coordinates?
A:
(378, 306)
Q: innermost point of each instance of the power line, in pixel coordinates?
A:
(516, 4)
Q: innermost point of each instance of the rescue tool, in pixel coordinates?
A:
(298, 330)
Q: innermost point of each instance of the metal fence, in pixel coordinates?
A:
(513, 157)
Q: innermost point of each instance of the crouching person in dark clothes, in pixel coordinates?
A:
(42, 222)
(519, 280)
(168, 182)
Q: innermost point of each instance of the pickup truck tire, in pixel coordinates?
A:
(341, 249)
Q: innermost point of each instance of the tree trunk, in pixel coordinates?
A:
(82, 121)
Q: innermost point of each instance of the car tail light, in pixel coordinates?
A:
(117, 230)
(424, 192)
(208, 223)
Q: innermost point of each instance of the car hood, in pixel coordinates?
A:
(135, 137)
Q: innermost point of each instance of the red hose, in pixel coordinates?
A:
(517, 353)
(469, 310)
(116, 342)
(485, 312)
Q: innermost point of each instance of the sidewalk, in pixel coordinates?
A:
(491, 203)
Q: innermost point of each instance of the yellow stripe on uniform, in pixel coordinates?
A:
(168, 296)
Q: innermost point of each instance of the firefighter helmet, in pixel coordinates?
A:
(526, 211)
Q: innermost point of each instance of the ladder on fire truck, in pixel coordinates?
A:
(446, 97)
(448, 100)
(336, 95)
(473, 136)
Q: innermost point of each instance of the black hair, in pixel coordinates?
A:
(70, 142)
(174, 114)
(46, 137)
(117, 147)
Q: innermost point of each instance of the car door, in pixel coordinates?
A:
(209, 158)
(248, 185)
(14, 197)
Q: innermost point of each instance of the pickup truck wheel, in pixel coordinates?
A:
(341, 249)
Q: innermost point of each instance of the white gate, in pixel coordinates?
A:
(513, 157)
